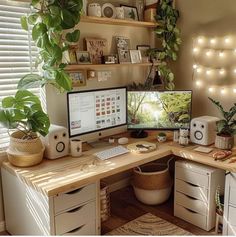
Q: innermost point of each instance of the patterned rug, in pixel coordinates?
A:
(149, 224)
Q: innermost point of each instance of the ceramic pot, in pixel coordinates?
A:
(224, 143)
(24, 153)
(94, 9)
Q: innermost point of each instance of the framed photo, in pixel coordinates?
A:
(96, 47)
(78, 78)
(110, 59)
(144, 52)
(130, 12)
(123, 46)
(83, 57)
(135, 56)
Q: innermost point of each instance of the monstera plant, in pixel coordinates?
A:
(52, 23)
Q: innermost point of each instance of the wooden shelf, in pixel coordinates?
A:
(110, 21)
(99, 66)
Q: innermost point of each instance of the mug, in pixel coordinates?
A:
(94, 9)
(76, 147)
(183, 140)
(120, 13)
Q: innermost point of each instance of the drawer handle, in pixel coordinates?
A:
(76, 229)
(190, 197)
(74, 191)
(194, 185)
(75, 210)
(190, 210)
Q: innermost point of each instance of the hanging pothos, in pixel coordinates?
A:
(169, 35)
(49, 20)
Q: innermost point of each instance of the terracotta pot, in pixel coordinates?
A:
(24, 153)
(224, 142)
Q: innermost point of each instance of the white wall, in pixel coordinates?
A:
(212, 19)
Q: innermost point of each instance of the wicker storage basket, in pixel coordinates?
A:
(24, 153)
(105, 201)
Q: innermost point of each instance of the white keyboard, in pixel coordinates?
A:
(112, 152)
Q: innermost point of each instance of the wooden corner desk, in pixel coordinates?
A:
(61, 197)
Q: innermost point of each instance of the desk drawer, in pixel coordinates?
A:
(190, 216)
(87, 229)
(191, 177)
(74, 198)
(70, 220)
(192, 190)
(232, 196)
(232, 215)
(191, 203)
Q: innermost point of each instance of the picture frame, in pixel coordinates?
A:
(96, 47)
(83, 57)
(144, 49)
(135, 56)
(78, 78)
(130, 12)
(110, 59)
(123, 46)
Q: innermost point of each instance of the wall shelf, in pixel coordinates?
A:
(76, 67)
(110, 21)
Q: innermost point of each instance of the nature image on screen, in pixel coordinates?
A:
(152, 109)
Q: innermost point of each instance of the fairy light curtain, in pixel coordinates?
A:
(214, 64)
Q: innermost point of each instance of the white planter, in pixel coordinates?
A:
(224, 143)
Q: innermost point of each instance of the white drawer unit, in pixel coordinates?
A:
(195, 187)
(229, 220)
(75, 218)
(75, 212)
(74, 198)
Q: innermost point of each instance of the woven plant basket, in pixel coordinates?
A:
(105, 202)
(24, 153)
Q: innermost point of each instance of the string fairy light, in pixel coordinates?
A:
(216, 50)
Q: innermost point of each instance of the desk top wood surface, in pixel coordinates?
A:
(52, 177)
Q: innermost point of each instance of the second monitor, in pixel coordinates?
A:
(167, 110)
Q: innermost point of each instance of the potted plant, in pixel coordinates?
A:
(226, 127)
(23, 114)
(161, 137)
(53, 25)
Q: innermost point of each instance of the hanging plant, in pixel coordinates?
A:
(49, 20)
(169, 35)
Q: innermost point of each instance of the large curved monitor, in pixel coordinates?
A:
(96, 110)
(167, 110)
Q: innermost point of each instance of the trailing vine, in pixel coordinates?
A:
(49, 20)
(169, 35)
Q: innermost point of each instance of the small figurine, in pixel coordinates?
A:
(183, 136)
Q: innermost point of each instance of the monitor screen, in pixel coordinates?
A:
(159, 109)
(91, 111)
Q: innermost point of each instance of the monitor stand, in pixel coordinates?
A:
(139, 134)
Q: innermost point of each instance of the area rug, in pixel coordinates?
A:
(149, 224)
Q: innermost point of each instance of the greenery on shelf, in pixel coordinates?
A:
(24, 113)
(227, 125)
(49, 20)
(169, 35)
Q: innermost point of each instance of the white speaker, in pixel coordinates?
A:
(203, 130)
(56, 142)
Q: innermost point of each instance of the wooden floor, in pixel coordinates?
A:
(125, 207)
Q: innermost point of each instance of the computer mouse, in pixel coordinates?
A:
(123, 140)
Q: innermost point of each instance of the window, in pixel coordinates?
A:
(17, 52)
